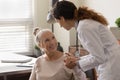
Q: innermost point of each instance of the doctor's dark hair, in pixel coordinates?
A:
(65, 9)
(69, 11)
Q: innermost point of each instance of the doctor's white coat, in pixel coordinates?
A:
(103, 47)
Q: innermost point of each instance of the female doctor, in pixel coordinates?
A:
(96, 38)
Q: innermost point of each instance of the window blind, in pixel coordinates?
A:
(16, 26)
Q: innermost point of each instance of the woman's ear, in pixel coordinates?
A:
(41, 45)
(62, 18)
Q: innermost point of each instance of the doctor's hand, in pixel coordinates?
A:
(70, 60)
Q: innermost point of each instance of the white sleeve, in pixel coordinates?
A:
(67, 69)
(35, 69)
(79, 74)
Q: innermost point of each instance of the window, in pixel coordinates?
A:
(16, 26)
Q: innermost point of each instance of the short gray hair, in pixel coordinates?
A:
(39, 34)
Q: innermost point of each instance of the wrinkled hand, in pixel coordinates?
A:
(70, 60)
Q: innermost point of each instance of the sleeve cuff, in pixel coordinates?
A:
(78, 66)
(68, 70)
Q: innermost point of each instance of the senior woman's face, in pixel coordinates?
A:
(49, 41)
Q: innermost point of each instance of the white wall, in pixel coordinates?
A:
(62, 36)
(41, 8)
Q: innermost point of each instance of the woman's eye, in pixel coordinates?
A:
(53, 37)
(46, 40)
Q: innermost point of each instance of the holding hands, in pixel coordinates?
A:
(71, 60)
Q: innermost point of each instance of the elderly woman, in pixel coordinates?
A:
(50, 66)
